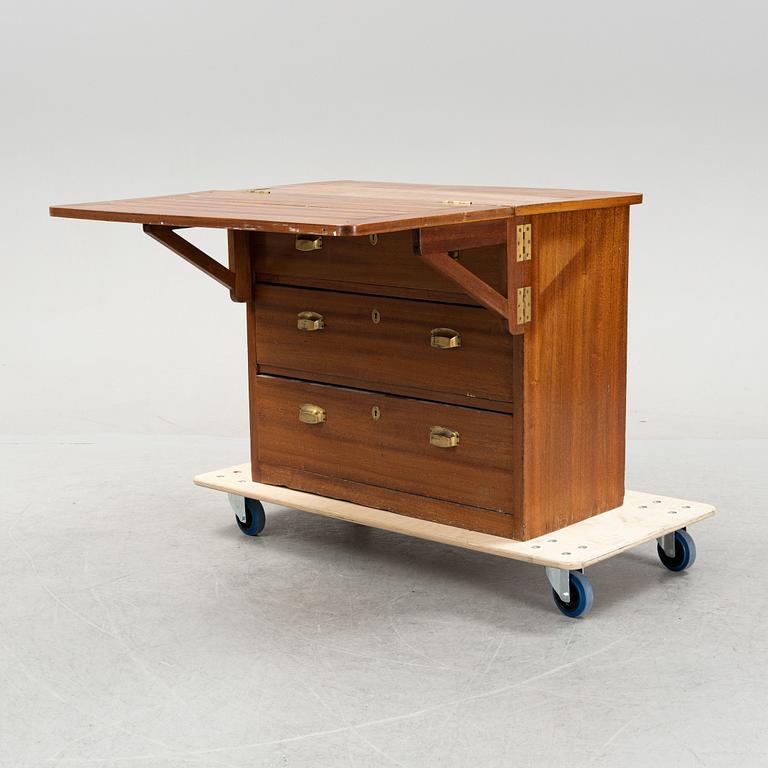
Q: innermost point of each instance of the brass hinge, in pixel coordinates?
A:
(523, 242)
(524, 305)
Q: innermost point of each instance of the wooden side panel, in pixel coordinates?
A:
(253, 369)
(574, 369)
(394, 351)
(241, 257)
(391, 451)
(391, 267)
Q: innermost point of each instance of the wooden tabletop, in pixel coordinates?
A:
(342, 207)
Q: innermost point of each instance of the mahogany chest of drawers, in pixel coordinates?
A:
(452, 354)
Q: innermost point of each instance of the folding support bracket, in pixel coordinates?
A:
(479, 290)
(237, 277)
(438, 247)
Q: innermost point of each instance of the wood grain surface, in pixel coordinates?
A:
(564, 378)
(409, 505)
(573, 372)
(395, 351)
(393, 451)
(390, 267)
(342, 208)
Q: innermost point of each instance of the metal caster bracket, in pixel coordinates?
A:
(238, 505)
(667, 543)
(560, 579)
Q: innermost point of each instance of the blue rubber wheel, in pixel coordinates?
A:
(581, 595)
(255, 519)
(685, 552)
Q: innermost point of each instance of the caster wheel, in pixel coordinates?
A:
(255, 519)
(685, 552)
(581, 594)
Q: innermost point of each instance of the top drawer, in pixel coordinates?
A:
(382, 343)
(389, 267)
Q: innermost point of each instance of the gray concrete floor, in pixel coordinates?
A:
(139, 627)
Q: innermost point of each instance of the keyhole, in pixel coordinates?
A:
(376, 316)
(375, 413)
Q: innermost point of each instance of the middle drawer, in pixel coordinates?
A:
(372, 340)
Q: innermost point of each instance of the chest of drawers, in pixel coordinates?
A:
(456, 354)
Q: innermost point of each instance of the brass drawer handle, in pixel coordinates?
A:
(310, 321)
(311, 414)
(445, 338)
(442, 437)
(308, 243)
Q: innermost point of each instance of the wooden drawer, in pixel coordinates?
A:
(392, 451)
(353, 264)
(382, 343)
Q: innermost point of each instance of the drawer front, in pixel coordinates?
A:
(384, 342)
(354, 264)
(446, 452)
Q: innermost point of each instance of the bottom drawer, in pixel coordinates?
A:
(446, 452)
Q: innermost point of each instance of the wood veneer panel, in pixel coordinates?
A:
(353, 264)
(401, 390)
(276, 212)
(574, 369)
(342, 208)
(253, 369)
(391, 452)
(394, 351)
(410, 505)
(521, 200)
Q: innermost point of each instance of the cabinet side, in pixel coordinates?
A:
(574, 369)
(242, 252)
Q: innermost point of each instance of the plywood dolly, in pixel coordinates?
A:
(563, 553)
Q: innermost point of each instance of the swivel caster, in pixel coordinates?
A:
(677, 550)
(249, 514)
(571, 591)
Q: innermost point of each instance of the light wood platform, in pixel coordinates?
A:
(643, 517)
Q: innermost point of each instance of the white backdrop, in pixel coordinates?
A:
(104, 330)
